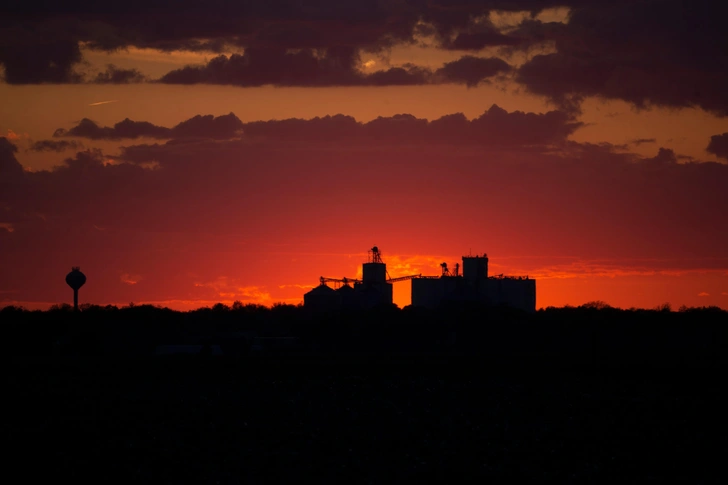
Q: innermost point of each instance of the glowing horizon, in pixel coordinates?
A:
(246, 158)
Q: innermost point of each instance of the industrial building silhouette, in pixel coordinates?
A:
(473, 285)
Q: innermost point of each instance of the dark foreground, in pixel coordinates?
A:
(195, 419)
(586, 395)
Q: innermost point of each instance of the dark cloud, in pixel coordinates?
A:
(535, 33)
(127, 128)
(46, 47)
(332, 128)
(12, 186)
(49, 52)
(218, 26)
(471, 71)
(642, 141)
(718, 145)
(401, 128)
(473, 33)
(646, 53)
(398, 76)
(220, 127)
(480, 40)
(115, 75)
(7, 148)
(88, 160)
(494, 128)
(279, 67)
(9, 165)
(42, 52)
(208, 126)
(501, 127)
(664, 156)
(335, 68)
(55, 145)
(284, 23)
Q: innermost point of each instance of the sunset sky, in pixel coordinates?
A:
(187, 153)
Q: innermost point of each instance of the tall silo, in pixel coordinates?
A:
(475, 268)
(374, 271)
(475, 274)
(374, 288)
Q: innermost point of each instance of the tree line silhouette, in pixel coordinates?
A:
(593, 333)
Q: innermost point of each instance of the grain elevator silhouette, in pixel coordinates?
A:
(374, 289)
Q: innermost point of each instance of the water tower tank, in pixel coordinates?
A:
(75, 279)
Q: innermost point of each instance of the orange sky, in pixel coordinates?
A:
(606, 186)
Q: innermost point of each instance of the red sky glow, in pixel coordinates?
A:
(257, 146)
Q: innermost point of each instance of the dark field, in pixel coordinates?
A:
(584, 395)
(212, 420)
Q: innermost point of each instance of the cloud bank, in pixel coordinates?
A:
(644, 52)
(496, 127)
(208, 126)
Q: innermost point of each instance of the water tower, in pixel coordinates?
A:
(75, 279)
